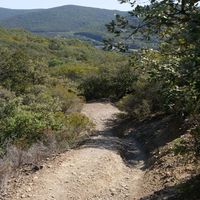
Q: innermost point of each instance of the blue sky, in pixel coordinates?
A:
(29, 4)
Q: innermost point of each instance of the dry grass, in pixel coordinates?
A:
(17, 158)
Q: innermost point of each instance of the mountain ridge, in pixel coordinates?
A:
(6, 13)
(69, 21)
(69, 5)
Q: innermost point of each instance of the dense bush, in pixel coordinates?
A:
(96, 86)
(18, 71)
(27, 123)
(69, 100)
(143, 100)
(113, 84)
(75, 125)
(138, 108)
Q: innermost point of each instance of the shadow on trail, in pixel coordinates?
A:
(135, 141)
(152, 133)
(126, 146)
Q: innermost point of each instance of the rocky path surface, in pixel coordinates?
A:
(96, 170)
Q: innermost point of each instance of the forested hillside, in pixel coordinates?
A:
(68, 21)
(62, 19)
(6, 13)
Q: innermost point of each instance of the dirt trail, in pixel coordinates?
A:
(94, 171)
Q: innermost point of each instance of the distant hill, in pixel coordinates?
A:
(65, 20)
(6, 13)
(68, 21)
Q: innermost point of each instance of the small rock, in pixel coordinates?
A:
(126, 195)
(4, 194)
(37, 168)
(124, 186)
(112, 191)
(28, 189)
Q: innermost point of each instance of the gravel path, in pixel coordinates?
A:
(95, 170)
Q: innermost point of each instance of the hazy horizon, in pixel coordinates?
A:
(38, 4)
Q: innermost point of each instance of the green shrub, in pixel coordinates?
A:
(55, 62)
(194, 123)
(143, 100)
(122, 81)
(55, 44)
(180, 146)
(39, 115)
(70, 102)
(96, 87)
(76, 125)
(19, 71)
(136, 107)
(113, 84)
(25, 124)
